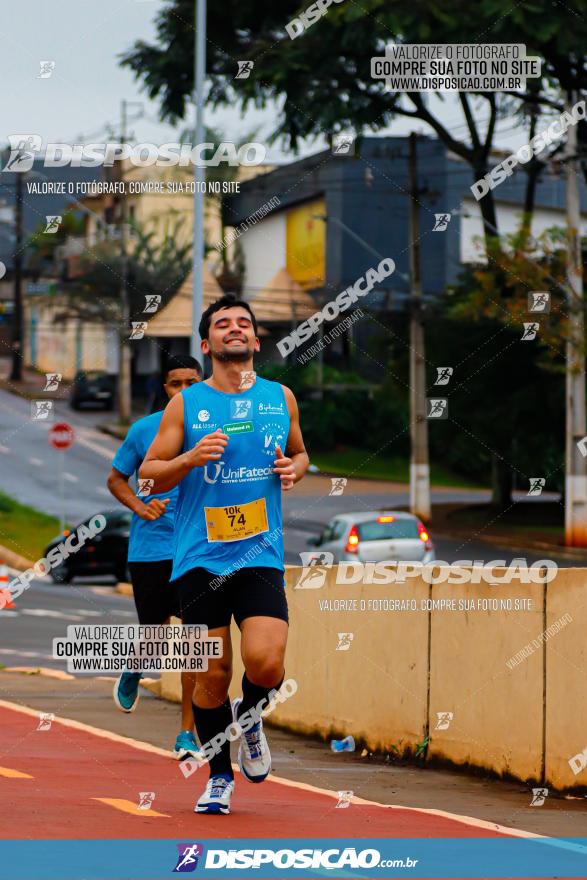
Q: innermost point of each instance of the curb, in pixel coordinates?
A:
(113, 431)
(14, 560)
(580, 555)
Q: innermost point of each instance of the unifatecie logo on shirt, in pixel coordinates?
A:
(217, 471)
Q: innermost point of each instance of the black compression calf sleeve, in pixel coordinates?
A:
(253, 694)
(209, 723)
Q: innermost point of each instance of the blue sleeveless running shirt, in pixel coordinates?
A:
(228, 513)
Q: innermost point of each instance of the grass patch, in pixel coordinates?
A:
(536, 520)
(23, 529)
(360, 463)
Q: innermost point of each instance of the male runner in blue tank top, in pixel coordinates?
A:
(150, 547)
(232, 448)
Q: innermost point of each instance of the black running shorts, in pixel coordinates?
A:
(212, 600)
(155, 598)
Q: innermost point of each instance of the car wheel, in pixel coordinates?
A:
(61, 575)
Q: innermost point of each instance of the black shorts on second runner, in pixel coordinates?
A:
(212, 600)
(155, 598)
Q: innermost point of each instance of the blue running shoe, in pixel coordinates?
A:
(186, 746)
(126, 691)
(217, 795)
(254, 757)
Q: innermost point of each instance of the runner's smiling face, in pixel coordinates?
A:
(178, 380)
(231, 336)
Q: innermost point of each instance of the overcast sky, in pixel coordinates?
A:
(85, 39)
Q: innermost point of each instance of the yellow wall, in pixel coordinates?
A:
(512, 719)
(306, 244)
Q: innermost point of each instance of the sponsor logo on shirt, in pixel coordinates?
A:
(271, 409)
(272, 433)
(198, 426)
(241, 408)
(217, 471)
(237, 428)
(203, 415)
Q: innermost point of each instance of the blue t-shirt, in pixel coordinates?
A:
(150, 541)
(229, 512)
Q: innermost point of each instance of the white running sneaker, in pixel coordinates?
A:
(254, 757)
(216, 797)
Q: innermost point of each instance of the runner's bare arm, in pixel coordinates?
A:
(292, 466)
(165, 463)
(148, 509)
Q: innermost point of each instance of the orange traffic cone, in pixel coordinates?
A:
(5, 594)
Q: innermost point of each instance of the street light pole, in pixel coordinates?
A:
(419, 466)
(199, 179)
(124, 374)
(17, 322)
(576, 464)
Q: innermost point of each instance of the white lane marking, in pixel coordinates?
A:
(4, 449)
(48, 612)
(28, 654)
(71, 477)
(83, 440)
(103, 491)
(36, 461)
(5, 612)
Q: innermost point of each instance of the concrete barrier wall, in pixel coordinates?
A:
(478, 677)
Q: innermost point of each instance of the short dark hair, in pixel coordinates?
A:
(228, 301)
(181, 362)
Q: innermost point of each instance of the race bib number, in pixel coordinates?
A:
(237, 521)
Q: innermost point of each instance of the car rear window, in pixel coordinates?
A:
(383, 531)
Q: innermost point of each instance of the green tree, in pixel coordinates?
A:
(321, 82)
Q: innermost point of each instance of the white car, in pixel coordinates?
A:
(376, 536)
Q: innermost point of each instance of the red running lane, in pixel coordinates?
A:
(72, 766)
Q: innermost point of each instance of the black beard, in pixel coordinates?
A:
(235, 357)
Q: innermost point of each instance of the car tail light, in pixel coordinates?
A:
(424, 536)
(352, 542)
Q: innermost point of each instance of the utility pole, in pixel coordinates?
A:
(17, 322)
(419, 466)
(575, 463)
(124, 368)
(199, 180)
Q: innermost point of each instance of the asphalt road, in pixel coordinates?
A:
(29, 471)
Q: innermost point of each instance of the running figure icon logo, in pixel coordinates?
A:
(189, 854)
(530, 330)
(52, 381)
(315, 566)
(537, 484)
(146, 799)
(539, 796)
(437, 408)
(244, 69)
(444, 719)
(539, 301)
(240, 409)
(45, 720)
(23, 150)
(441, 222)
(444, 375)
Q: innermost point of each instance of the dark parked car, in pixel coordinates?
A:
(105, 553)
(93, 386)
